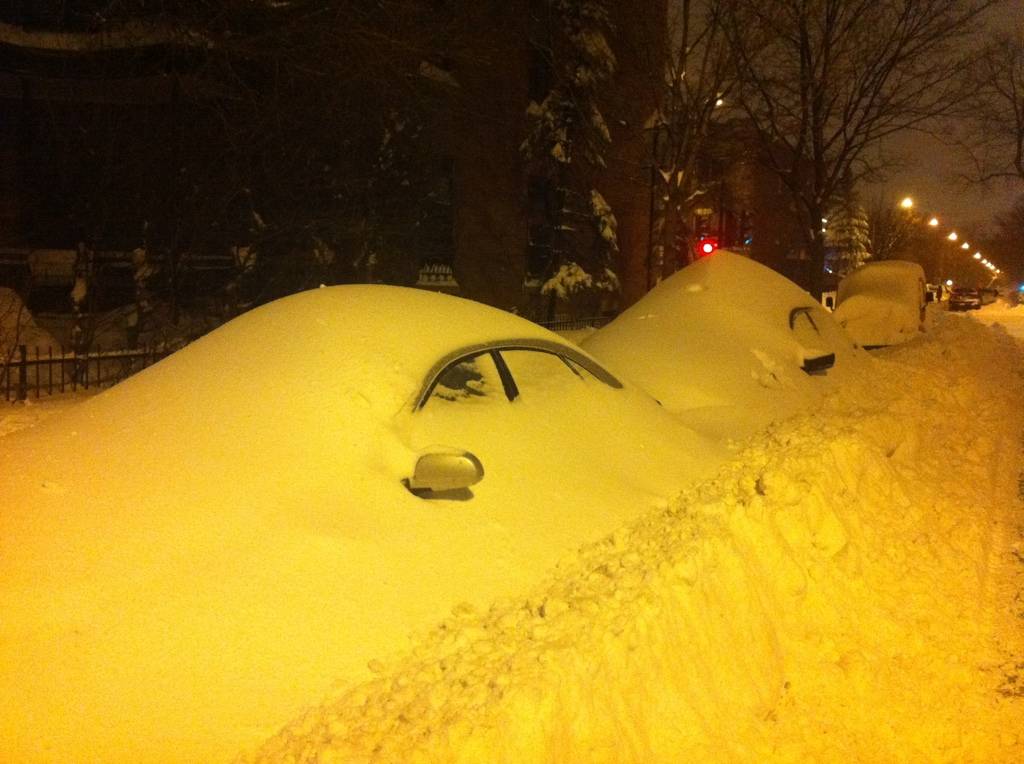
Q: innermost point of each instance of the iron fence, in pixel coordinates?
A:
(570, 324)
(35, 372)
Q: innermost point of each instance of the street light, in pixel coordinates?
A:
(977, 255)
(933, 222)
(907, 203)
(965, 245)
(952, 236)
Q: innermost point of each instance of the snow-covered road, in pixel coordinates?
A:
(845, 590)
(1001, 314)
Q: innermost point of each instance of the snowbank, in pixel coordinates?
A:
(840, 591)
(17, 326)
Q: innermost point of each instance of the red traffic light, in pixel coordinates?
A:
(707, 246)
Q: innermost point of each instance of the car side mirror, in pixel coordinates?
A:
(439, 472)
(819, 364)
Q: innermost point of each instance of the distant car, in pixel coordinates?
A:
(883, 303)
(192, 557)
(727, 344)
(965, 298)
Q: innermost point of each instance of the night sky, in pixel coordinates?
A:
(931, 174)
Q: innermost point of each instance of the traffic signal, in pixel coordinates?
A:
(706, 245)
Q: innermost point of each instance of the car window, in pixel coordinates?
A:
(805, 328)
(536, 373)
(471, 379)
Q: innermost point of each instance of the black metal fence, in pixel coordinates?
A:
(570, 324)
(32, 372)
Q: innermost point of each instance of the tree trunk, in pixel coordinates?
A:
(816, 252)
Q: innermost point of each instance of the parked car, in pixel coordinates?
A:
(883, 303)
(727, 344)
(190, 558)
(965, 298)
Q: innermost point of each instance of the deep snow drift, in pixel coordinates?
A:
(843, 590)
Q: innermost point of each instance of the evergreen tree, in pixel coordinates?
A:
(847, 234)
(566, 137)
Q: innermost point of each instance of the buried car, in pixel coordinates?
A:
(726, 344)
(192, 557)
(883, 303)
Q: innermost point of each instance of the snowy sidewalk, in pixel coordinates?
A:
(843, 590)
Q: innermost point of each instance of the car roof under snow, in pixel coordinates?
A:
(373, 342)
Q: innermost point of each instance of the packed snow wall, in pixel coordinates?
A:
(842, 590)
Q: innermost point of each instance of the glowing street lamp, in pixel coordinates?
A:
(977, 255)
(952, 236)
(965, 245)
(907, 203)
(933, 222)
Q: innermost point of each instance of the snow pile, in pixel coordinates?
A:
(882, 303)
(17, 327)
(825, 597)
(1002, 314)
(32, 412)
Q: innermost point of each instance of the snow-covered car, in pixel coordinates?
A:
(883, 303)
(190, 558)
(727, 344)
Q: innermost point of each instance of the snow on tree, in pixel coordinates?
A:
(847, 234)
(566, 137)
(606, 223)
(571, 279)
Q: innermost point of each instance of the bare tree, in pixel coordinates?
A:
(697, 80)
(1007, 238)
(995, 134)
(826, 80)
(891, 229)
